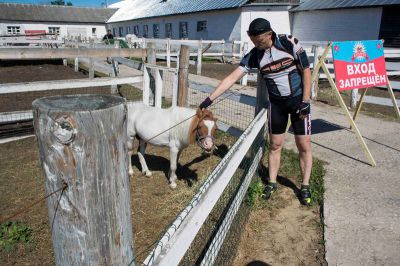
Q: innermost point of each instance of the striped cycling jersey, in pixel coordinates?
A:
(277, 65)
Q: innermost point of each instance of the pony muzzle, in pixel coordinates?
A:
(206, 144)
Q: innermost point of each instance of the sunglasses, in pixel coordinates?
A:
(256, 32)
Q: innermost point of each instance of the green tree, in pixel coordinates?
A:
(61, 3)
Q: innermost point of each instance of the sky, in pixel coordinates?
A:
(88, 3)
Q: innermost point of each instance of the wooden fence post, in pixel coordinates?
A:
(183, 75)
(82, 146)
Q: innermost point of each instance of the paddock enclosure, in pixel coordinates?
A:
(201, 221)
(197, 223)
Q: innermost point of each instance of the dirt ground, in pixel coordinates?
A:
(154, 204)
(284, 233)
(30, 71)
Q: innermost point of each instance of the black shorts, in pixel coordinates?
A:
(278, 115)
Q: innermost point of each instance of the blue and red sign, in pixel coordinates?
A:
(359, 64)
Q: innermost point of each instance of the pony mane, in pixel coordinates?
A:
(200, 116)
(192, 129)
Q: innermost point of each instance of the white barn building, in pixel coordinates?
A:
(198, 19)
(345, 20)
(24, 19)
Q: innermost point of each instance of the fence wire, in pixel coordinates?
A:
(227, 107)
(216, 242)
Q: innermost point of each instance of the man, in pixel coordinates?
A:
(108, 36)
(284, 68)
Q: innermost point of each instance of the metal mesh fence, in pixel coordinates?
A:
(215, 242)
(227, 107)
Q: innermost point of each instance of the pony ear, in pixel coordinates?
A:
(198, 112)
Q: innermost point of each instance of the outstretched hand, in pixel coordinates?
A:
(304, 109)
(206, 103)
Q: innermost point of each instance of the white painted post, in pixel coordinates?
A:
(159, 89)
(76, 64)
(91, 67)
(168, 52)
(243, 80)
(223, 51)
(233, 52)
(115, 69)
(91, 62)
(244, 49)
(151, 59)
(146, 86)
(65, 62)
(199, 56)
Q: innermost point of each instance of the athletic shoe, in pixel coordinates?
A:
(305, 195)
(269, 189)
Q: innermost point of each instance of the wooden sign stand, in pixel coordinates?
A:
(321, 64)
(392, 97)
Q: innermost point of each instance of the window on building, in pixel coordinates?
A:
(54, 30)
(202, 25)
(12, 30)
(128, 30)
(183, 30)
(168, 30)
(121, 31)
(136, 30)
(145, 31)
(114, 31)
(156, 30)
(93, 31)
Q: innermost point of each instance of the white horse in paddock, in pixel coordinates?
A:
(146, 123)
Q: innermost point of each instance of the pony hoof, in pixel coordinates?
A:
(172, 185)
(148, 173)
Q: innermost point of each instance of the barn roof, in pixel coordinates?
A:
(54, 13)
(334, 4)
(137, 9)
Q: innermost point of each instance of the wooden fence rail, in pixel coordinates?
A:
(66, 84)
(46, 53)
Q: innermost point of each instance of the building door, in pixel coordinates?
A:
(390, 25)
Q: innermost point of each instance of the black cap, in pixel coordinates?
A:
(259, 26)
